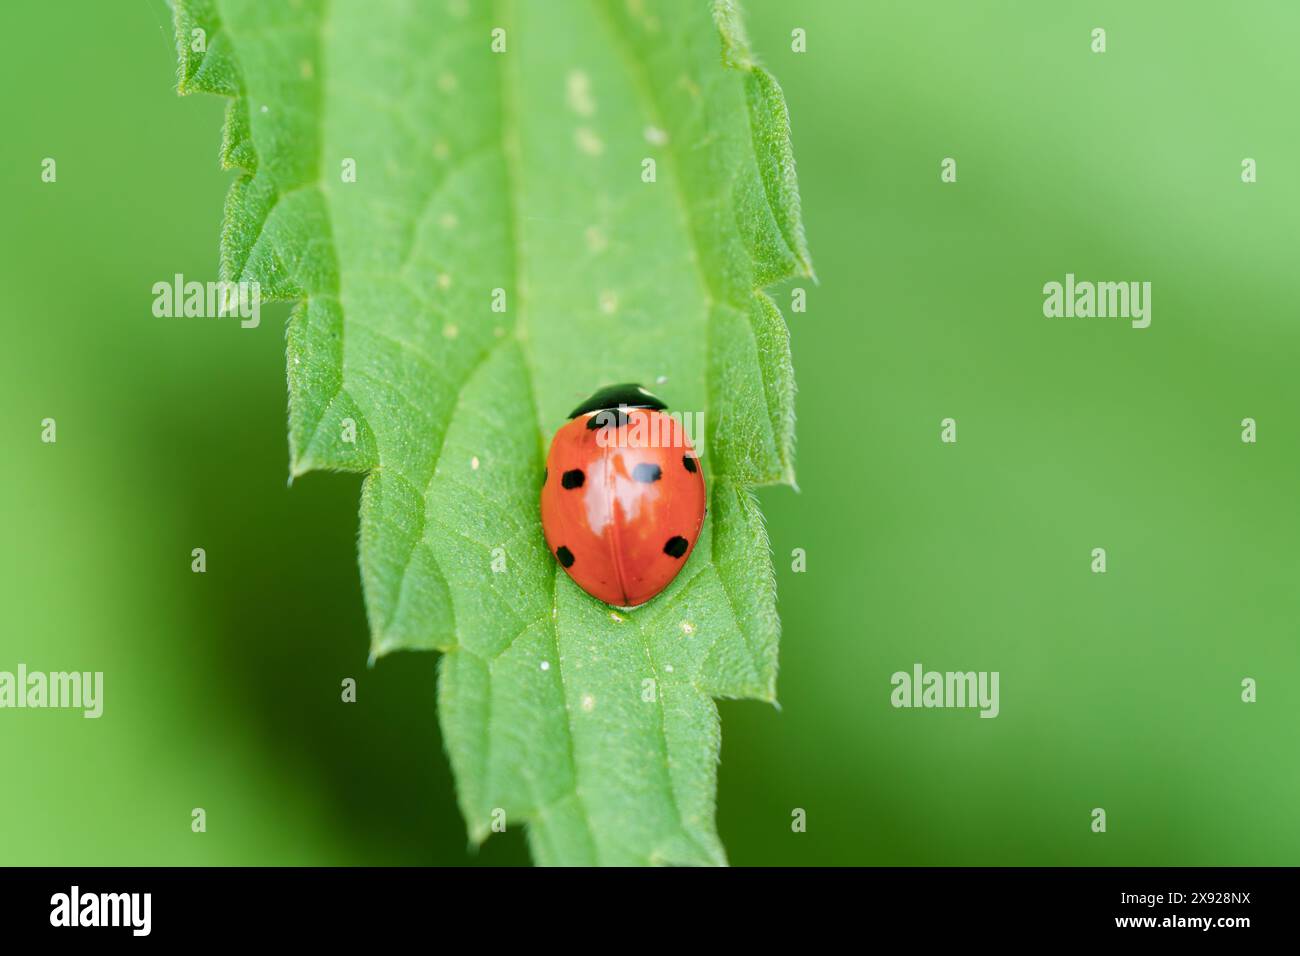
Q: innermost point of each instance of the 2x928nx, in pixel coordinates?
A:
(1198, 898)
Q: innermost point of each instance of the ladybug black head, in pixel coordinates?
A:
(626, 395)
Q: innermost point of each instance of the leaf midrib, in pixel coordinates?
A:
(510, 151)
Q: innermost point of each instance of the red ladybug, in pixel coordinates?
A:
(622, 496)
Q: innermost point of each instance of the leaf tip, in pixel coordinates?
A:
(299, 465)
(806, 269)
(380, 646)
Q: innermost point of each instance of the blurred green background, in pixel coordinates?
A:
(1119, 691)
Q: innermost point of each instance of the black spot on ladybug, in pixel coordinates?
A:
(573, 479)
(689, 462)
(675, 547)
(607, 418)
(646, 472)
(566, 556)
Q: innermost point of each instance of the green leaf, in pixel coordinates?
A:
(521, 171)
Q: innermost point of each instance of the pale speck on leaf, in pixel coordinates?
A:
(578, 93)
(588, 142)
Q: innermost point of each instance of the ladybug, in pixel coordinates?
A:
(622, 496)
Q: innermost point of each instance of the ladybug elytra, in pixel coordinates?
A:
(623, 496)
